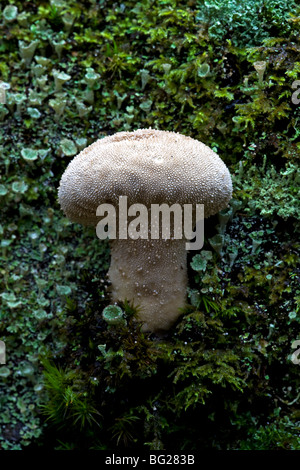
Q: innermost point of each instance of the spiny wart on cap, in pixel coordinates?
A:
(149, 167)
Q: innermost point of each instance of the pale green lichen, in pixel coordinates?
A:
(29, 154)
(27, 51)
(59, 79)
(68, 147)
(10, 13)
(113, 315)
(273, 192)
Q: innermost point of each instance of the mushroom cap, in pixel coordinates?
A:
(149, 167)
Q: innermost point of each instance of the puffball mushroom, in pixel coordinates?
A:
(149, 167)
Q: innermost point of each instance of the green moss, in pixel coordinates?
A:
(269, 191)
(249, 21)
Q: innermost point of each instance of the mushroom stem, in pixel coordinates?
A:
(152, 274)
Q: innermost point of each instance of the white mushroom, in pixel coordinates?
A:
(149, 167)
